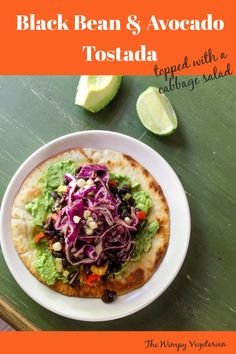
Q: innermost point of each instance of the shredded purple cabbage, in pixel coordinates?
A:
(112, 237)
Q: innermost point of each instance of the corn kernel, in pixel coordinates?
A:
(58, 265)
(93, 225)
(89, 182)
(65, 273)
(87, 213)
(81, 182)
(127, 196)
(61, 189)
(88, 231)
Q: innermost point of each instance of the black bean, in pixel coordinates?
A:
(77, 171)
(55, 239)
(126, 188)
(111, 256)
(125, 210)
(114, 190)
(61, 240)
(100, 173)
(62, 203)
(49, 233)
(97, 183)
(79, 244)
(65, 263)
(125, 213)
(75, 283)
(49, 224)
(108, 296)
(121, 207)
(131, 201)
(72, 258)
(85, 202)
(140, 225)
(114, 267)
(65, 181)
(87, 268)
(121, 193)
(60, 234)
(55, 195)
(57, 254)
(73, 279)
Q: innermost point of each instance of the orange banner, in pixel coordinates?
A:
(119, 342)
(104, 37)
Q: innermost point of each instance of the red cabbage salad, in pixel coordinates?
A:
(89, 223)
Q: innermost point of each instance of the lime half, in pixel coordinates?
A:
(156, 112)
(95, 91)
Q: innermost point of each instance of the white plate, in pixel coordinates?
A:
(95, 309)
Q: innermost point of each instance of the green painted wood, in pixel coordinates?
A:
(34, 110)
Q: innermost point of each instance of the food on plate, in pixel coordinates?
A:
(91, 223)
(94, 92)
(156, 112)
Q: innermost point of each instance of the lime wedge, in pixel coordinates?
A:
(95, 91)
(156, 112)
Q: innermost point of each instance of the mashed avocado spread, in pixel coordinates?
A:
(41, 206)
(45, 265)
(54, 174)
(143, 239)
(142, 201)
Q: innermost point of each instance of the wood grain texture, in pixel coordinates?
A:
(14, 318)
(34, 110)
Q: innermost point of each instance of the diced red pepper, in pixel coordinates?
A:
(112, 183)
(38, 237)
(141, 215)
(91, 278)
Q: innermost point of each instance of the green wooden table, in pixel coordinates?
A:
(35, 110)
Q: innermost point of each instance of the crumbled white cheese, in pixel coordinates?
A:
(76, 219)
(57, 246)
(127, 220)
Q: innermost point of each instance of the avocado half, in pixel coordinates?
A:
(94, 92)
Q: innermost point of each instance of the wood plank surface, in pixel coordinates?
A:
(15, 318)
(34, 110)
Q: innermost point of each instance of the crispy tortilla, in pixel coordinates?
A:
(136, 273)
